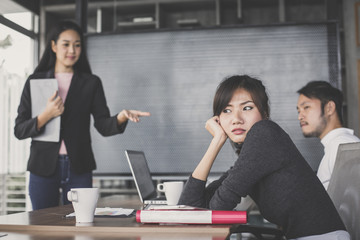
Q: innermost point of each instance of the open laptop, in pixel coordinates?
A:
(142, 178)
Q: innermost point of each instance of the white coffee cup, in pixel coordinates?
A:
(84, 201)
(172, 191)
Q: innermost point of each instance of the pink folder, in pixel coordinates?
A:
(191, 216)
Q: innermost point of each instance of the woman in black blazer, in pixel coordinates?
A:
(68, 163)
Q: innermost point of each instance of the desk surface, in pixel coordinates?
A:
(51, 222)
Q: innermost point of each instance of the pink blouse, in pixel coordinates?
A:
(64, 81)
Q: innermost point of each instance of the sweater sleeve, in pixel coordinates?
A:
(196, 193)
(260, 155)
(193, 193)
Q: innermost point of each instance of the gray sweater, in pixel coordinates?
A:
(272, 171)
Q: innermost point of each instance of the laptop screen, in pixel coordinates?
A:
(141, 174)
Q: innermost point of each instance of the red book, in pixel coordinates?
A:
(191, 216)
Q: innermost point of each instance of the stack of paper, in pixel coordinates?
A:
(189, 215)
(110, 212)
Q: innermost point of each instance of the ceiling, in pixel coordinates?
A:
(9, 6)
(16, 6)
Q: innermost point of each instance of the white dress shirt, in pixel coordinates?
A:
(331, 143)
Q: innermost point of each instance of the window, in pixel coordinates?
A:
(17, 53)
(18, 46)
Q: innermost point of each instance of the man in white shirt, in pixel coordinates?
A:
(320, 115)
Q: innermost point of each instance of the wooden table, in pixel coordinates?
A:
(51, 223)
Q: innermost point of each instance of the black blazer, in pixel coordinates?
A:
(85, 97)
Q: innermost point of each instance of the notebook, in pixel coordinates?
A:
(142, 178)
(40, 91)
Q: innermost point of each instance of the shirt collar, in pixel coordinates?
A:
(335, 133)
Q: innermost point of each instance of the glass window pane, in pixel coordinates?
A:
(16, 52)
(23, 19)
(16, 63)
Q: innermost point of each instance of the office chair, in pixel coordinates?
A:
(260, 233)
(257, 226)
(344, 187)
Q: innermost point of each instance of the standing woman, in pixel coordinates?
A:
(269, 168)
(68, 163)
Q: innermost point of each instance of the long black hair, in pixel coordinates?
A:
(48, 59)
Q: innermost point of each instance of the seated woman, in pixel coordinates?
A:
(270, 169)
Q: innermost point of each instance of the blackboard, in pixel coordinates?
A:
(174, 74)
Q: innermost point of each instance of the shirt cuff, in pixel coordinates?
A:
(121, 128)
(38, 131)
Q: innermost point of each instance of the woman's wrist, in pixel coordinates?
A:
(42, 119)
(121, 118)
(221, 138)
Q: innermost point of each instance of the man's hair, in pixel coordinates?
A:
(325, 92)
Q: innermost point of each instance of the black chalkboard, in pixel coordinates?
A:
(174, 74)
